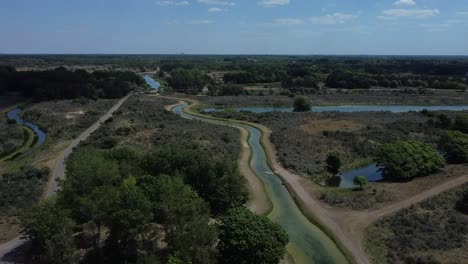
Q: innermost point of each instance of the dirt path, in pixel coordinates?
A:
(58, 171)
(345, 227)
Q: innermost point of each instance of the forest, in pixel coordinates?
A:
(61, 83)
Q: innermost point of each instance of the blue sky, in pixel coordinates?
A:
(399, 27)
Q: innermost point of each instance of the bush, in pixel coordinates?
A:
(404, 160)
(333, 163)
(249, 238)
(455, 145)
(302, 104)
(361, 181)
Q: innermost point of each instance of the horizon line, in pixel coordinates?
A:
(229, 54)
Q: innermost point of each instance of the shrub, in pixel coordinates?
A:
(455, 145)
(404, 160)
(361, 181)
(302, 104)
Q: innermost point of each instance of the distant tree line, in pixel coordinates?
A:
(64, 84)
(189, 81)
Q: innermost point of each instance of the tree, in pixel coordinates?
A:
(361, 181)
(333, 163)
(130, 215)
(455, 146)
(302, 104)
(185, 218)
(404, 160)
(216, 181)
(86, 171)
(97, 208)
(50, 228)
(249, 238)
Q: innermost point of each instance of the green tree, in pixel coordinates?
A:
(185, 219)
(404, 160)
(131, 215)
(97, 208)
(455, 145)
(333, 163)
(361, 181)
(249, 238)
(50, 228)
(216, 181)
(87, 170)
(302, 104)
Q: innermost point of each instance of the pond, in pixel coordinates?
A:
(151, 82)
(41, 136)
(372, 172)
(349, 108)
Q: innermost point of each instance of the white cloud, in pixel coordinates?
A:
(173, 3)
(273, 3)
(405, 3)
(333, 19)
(288, 21)
(462, 13)
(408, 13)
(214, 9)
(216, 2)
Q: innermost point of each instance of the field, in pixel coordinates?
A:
(66, 119)
(430, 232)
(143, 123)
(347, 97)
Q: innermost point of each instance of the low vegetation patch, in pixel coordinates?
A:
(20, 190)
(430, 232)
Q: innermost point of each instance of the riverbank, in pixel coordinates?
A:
(307, 213)
(347, 227)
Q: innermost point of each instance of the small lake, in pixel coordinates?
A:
(151, 82)
(348, 108)
(371, 172)
(41, 136)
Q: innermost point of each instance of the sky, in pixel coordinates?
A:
(357, 27)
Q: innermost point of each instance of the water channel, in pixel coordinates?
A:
(40, 136)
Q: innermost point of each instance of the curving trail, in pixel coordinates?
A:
(58, 172)
(346, 227)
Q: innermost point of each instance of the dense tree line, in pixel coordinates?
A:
(220, 89)
(156, 207)
(190, 81)
(64, 84)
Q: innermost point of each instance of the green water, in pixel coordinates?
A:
(308, 244)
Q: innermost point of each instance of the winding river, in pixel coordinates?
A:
(308, 244)
(39, 134)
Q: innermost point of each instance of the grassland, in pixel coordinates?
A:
(430, 232)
